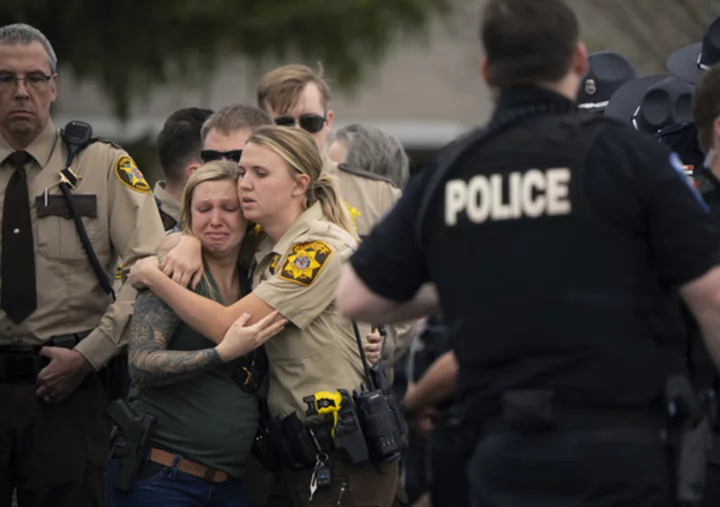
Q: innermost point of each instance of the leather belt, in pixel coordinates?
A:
(189, 467)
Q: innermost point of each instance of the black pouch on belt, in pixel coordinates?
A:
(529, 410)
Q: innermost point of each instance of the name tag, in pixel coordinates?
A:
(530, 194)
(56, 205)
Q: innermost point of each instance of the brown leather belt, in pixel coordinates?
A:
(189, 467)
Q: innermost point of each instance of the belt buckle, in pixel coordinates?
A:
(209, 474)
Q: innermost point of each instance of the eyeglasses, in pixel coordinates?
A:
(312, 123)
(211, 155)
(36, 82)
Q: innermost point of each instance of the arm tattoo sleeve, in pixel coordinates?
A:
(150, 363)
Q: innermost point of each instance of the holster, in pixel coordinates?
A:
(292, 442)
(692, 434)
(263, 449)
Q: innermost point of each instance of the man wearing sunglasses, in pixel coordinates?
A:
(295, 96)
(224, 134)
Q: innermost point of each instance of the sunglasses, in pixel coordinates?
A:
(312, 123)
(211, 155)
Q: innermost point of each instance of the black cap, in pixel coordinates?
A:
(689, 63)
(652, 103)
(608, 71)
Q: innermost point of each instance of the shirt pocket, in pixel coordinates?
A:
(57, 235)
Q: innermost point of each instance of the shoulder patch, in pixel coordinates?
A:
(685, 174)
(364, 174)
(130, 176)
(304, 262)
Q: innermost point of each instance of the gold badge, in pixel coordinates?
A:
(130, 176)
(256, 230)
(119, 271)
(273, 263)
(590, 87)
(304, 262)
(354, 213)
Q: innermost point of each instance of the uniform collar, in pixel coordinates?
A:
(329, 166)
(299, 227)
(519, 97)
(40, 149)
(168, 203)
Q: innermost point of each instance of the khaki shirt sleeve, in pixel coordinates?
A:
(136, 230)
(302, 300)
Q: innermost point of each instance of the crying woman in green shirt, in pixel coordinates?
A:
(202, 394)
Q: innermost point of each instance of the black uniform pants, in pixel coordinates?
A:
(569, 469)
(54, 454)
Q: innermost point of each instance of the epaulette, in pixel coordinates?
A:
(364, 174)
(106, 141)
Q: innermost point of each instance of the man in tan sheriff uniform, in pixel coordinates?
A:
(58, 328)
(298, 276)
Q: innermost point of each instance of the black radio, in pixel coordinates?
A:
(380, 425)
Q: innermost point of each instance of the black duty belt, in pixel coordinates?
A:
(22, 364)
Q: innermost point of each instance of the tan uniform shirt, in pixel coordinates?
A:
(368, 197)
(120, 217)
(298, 277)
(168, 204)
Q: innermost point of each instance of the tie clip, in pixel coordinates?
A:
(68, 176)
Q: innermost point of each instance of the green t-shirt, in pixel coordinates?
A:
(205, 418)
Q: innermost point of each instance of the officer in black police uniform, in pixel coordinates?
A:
(543, 235)
(697, 144)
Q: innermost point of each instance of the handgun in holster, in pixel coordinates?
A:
(346, 432)
(263, 448)
(131, 442)
(695, 439)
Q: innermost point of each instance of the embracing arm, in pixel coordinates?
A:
(151, 364)
(209, 318)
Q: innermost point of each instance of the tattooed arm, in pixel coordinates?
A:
(150, 363)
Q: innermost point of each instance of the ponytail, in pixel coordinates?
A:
(325, 191)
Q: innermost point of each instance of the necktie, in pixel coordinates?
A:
(17, 272)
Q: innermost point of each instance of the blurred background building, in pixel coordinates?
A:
(426, 91)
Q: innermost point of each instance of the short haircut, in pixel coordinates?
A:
(706, 106)
(191, 114)
(20, 33)
(373, 150)
(178, 143)
(528, 41)
(235, 117)
(280, 89)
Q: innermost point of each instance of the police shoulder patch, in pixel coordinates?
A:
(130, 176)
(685, 174)
(304, 262)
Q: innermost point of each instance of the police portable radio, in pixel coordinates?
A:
(379, 422)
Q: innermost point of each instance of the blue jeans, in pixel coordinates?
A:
(158, 485)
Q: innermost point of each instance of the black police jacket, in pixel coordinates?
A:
(547, 239)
